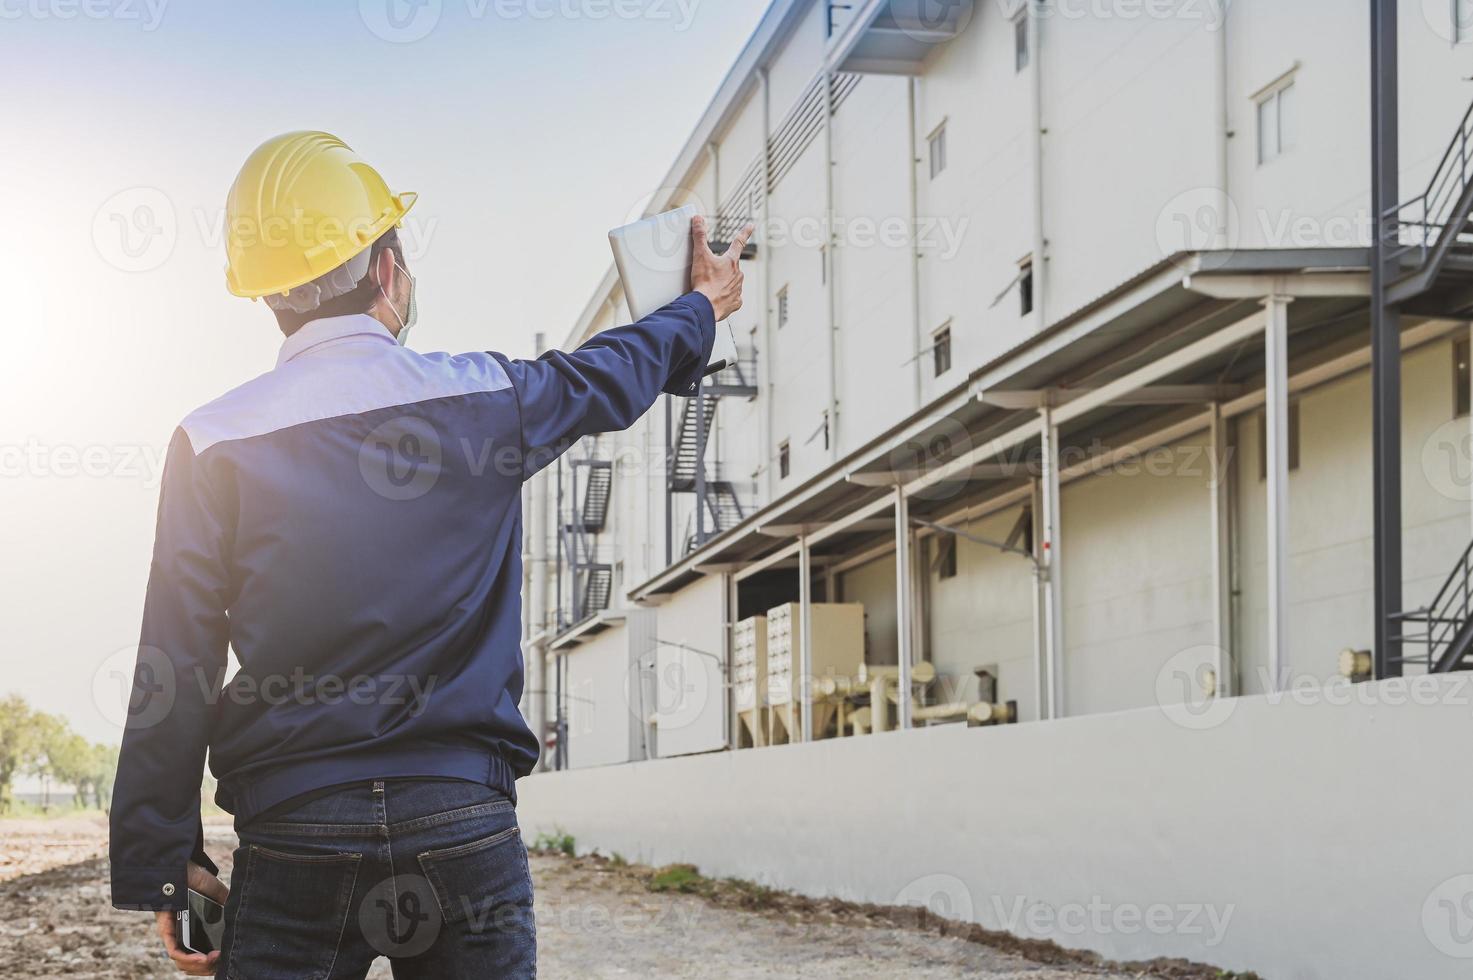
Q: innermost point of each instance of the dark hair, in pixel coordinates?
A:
(357, 300)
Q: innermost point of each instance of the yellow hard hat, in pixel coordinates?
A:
(302, 205)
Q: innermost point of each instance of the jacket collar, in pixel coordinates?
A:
(316, 333)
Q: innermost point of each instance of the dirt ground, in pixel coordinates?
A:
(594, 919)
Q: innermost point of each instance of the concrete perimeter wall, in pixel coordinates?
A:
(1321, 835)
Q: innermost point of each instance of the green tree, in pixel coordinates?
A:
(19, 743)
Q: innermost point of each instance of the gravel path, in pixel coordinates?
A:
(593, 921)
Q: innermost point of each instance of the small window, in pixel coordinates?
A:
(1276, 123)
(1293, 441)
(941, 350)
(946, 556)
(784, 460)
(1020, 41)
(938, 151)
(1025, 288)
(1462, 395)
(782, 307)
(825, 430)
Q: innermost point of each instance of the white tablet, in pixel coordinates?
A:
(653, 258)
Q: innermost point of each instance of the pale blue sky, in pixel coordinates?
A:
(528, 127)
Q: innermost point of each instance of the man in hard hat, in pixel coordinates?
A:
(349, 522)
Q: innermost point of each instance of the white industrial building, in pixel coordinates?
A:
(1057, 408)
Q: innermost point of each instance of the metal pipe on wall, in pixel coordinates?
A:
(1040, 241)
(830, 259)
(804, 694)
(913, 245)
(1276, 427)
(1053, 618)
(902, 605)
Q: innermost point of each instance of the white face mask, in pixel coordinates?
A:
(411, 314)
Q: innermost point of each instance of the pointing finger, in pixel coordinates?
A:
(740, 242)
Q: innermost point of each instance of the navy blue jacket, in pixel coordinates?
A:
(350, 524)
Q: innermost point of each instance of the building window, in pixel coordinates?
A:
(784, 460)
(1276, 123)
(782, 307)
(941, 350)
(1020, 41)
(1462, 394)
(1293, 441)
(937, 141)
(946, 556)
(825, 430)
(1025, 287)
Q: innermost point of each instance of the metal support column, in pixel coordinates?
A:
(902, 606)
(1276, 453)
(803, 668)
(1221, 511)
(1053, 611)
(1385, 341)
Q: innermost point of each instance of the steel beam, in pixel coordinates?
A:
(1276, 412)
(1385, 341)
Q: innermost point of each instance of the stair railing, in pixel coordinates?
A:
(1422, 221)
(1443, 619)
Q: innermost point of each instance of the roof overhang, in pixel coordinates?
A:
(1156, 317)
(895, 37)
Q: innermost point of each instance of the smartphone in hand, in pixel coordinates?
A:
(202, 924)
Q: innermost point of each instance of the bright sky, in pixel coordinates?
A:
(528, 127)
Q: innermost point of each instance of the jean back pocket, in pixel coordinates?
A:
(292, 912)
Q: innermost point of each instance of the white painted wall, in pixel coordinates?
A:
(1313, 839)
(1330, 566)
(1137, 589)
(690, 670)
(984, 617)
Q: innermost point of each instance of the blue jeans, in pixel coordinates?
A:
(431, 874)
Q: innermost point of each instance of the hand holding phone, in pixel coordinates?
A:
(209, 889)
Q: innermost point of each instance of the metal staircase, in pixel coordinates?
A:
(718, 506)
(1434, 249)
(591, 480)
(1434, 234)
(1441, 633)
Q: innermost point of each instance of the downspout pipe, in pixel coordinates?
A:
(1040, 242)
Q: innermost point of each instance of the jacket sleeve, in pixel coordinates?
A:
(613, 379)
(155, 816)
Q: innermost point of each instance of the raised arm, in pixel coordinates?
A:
(614, 378)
